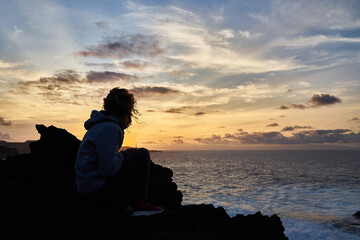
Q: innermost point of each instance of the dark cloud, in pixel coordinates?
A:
(178, 137)
(151, 91)
(302, 137)
(59, 88)
(64, 86)
(150, 110)
(290, 128)
(283, 107)
(4, 136)
(5, 123)
(273, 125)
(355, 119)
(62, 80)
(289, 90)
(221, 127)
(324, 99)
(199, 113)
(316, 100)
(125, 46)
(214, 139)
(107, 76)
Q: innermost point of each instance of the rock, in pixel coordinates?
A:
(357, 215)
(39, 199)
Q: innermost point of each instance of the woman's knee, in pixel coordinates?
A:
(144, 155)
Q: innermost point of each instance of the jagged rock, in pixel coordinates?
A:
(39, 199)
(357, 215)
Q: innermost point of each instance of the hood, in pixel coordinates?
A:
(99, 116)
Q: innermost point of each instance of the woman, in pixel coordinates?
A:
(99, 164)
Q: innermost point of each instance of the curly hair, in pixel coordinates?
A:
(121, 103)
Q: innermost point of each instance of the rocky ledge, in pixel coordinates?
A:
(39, 199)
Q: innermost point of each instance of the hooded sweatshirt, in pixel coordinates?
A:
(98, 157)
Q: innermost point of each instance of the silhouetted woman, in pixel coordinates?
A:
(99, 164)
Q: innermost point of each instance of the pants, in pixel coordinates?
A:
(134, 173)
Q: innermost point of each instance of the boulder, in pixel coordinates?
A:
(39, 199)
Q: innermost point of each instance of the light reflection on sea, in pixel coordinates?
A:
(315, 186)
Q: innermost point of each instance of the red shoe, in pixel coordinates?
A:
(146, 209)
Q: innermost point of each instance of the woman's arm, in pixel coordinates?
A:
(107, 145)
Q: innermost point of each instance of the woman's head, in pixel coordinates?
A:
(121, 103)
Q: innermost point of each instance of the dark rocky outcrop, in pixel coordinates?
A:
(357, 215)
(39, 199)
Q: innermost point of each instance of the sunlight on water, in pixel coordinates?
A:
(314, 187)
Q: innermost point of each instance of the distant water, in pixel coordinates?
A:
(314, 192)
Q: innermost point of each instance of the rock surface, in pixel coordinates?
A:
(357, 215)
(39, 199)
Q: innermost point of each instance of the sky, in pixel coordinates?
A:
(206, 74)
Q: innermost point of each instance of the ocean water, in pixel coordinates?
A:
(314, 192)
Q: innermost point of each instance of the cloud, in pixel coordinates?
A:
(17, 32)
(317, 100)
(290, 128)
(103, 65)
(273, 125)
(135, 65)
(4, 136)
(355, 119)
(283, 107)
(199, 113)
(299, 106)
(305, 84)
(149, 91)
(214, 139)
(193, 42)
(61, 80)
(125, 46)
(107, 76)
(102, 25)
(5, 123)
(178, 141)
(323, 100)
(178, 110)
(302, 137)
(178, 137)
(182, 74)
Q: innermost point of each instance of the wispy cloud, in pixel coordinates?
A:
(4, 136)
(191, 41)
(3, 122)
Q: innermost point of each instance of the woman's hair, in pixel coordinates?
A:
(121, 103)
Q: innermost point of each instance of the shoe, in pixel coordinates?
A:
(146, 209)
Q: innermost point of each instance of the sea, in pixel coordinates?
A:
(314, 192)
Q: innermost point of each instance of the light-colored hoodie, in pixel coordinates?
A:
(98, 157)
